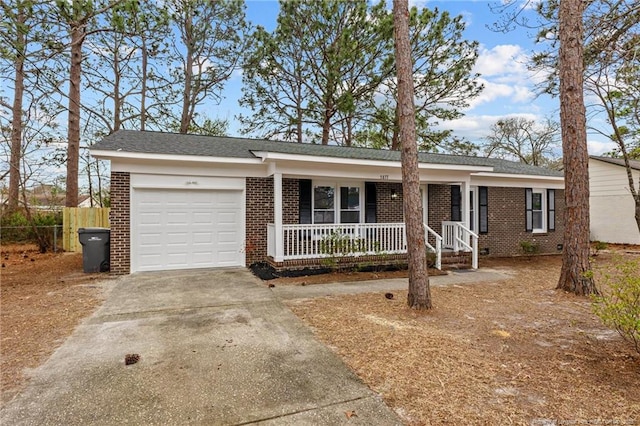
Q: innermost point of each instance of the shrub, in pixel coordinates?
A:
(618, 306)
(600, 245)
(529, 247)
(340, 244)
(596, 246)
(16, 228)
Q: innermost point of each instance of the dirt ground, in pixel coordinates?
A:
(43, 297)
(495, 353)
(510, 352)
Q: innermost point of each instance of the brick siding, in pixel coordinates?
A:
(388, 210)
(507, 225)
(259, 212)
(506, 209)
(119, 218)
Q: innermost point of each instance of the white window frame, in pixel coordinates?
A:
(474, 209)
(336, 185)
(543, 210)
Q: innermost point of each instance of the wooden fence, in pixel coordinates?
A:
(74, 218)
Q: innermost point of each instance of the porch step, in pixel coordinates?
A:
(456, 260)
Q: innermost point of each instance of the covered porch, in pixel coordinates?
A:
(365, 240)
(343, 209)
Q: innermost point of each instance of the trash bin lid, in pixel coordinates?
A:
(92, 230)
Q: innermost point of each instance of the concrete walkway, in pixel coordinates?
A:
(216, 347)
(461, 277)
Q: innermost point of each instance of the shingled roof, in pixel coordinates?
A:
(140, 142)
(634, 164)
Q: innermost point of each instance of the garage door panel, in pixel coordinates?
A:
(179, 229)
(203, 218)
(150, 219)
(175, 260)
(177, 218)
(203, 238)
(151, 260)
(228, 218)
(150, 239)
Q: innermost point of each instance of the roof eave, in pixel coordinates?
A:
(519, 176)
(278, 156)
(126, 155)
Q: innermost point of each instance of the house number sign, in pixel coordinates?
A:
(384, 177)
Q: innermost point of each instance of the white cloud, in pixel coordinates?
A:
(476, 127)
(420, 4)
(501, 61)
(599, 147)
(504, 73)
(493, 91)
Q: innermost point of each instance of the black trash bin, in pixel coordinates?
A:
(95, 249)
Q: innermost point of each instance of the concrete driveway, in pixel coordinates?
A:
(216, 347)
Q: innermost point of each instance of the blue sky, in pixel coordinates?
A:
(509, 85)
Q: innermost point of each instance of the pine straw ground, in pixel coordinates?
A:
(42, 299)
(494, 353)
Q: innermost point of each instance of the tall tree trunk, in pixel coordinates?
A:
(143, 87)
(73, 147)
(348, 139)
(419, 296)
(99, 176)
(299, 111)
(16, 122)
(326, 126)
(575, 275)
(185, 119)
(117, 99)
(89, 181)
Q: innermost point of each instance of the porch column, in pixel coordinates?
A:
(466, 202)
(277, 216)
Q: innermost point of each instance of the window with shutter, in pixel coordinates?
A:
(483, 209)
(539, 211)
(456, 204)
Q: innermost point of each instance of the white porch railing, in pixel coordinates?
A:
(357, 239)
(457, 237)
(437, 248)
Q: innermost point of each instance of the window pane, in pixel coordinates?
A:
(323, 197)
(537, 201)
(537, 220)
(323, 216)
(349, 198)
(349, 216)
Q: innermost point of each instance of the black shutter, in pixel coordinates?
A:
(483, 207)
(370, 202)
(551, 209)
(528, 195)
(304, 201)
(456, 204)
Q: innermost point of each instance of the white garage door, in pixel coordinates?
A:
(181, 229)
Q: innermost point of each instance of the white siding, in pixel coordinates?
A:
(611, 205)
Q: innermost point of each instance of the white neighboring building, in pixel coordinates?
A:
(611, 204)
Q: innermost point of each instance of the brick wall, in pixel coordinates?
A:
(119, 217)
(439, 204)
(259, 212)
(290, 205)
(506, 209)
(388, 210)
(507, 224)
